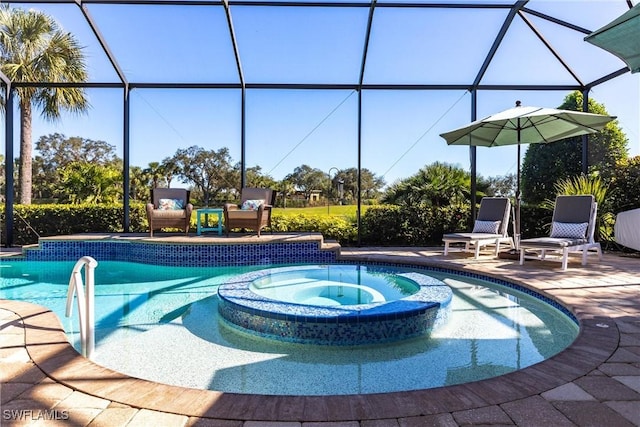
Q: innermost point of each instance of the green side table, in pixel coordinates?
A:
(202, 225)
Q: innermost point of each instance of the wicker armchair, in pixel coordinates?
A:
(170, 208)
(253, 212)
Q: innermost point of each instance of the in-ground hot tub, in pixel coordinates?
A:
(336, 304)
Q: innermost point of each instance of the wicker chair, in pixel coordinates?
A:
(170, 208)
(253, 212)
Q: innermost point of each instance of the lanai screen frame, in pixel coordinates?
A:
(518, 8)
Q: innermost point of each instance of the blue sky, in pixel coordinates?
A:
(400, 129)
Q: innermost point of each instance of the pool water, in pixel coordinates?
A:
(161, 324)
(332, 293)
(338, 285)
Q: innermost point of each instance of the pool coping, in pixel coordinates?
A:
(47, 346)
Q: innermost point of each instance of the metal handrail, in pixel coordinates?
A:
(85, 293)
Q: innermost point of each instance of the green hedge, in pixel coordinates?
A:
(388, 225)
(31, 221)
(535, 221)
(332, 228)
(383, 225)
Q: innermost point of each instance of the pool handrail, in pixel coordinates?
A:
(86, 302)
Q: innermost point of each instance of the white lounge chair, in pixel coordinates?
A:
(490, 227)
(572, 229)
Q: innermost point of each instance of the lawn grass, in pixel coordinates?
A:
(337, 210)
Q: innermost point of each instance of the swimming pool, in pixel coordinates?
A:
(160, 323)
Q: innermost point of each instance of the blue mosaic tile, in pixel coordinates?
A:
(376, 322)
(188, 255)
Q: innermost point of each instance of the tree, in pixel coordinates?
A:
(56, 151)
(210, 171)
(371, 184)
(255, 178)
(34, 49)
(307, 179)
(170, 170)
(545, 164)
(501, 186)
(138, 183)
(286, 188)
(154, 170)
(624, 194)
(85, 182)
(438, 184)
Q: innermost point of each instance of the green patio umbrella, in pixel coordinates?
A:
(525, 125)
(621, 37)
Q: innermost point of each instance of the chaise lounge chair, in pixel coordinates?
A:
(169, 208)
(490, 227)
(572, 230)
(253, 212)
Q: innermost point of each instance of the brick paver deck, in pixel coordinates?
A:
(595, 382)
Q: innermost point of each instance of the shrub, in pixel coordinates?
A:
(535, 221)
(389, 225)
(624, 194)
(332, 227)
(33, 221)
(381, 225)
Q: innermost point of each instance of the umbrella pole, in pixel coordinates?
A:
(516, 231)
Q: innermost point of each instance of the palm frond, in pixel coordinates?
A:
(34, 49)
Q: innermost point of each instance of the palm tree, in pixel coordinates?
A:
(287, 189)
(437, 184)
(170, 170)
(34, 49)
(155, 171)
(138, 183)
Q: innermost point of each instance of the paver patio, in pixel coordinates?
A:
(594, 382)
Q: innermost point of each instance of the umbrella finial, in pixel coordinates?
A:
(518, 103)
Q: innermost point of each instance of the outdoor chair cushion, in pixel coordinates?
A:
(576, 230)
(491, 227)
(170, 204)
(552, 242)
(166, 213)
(252, 205)
(242, 214)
